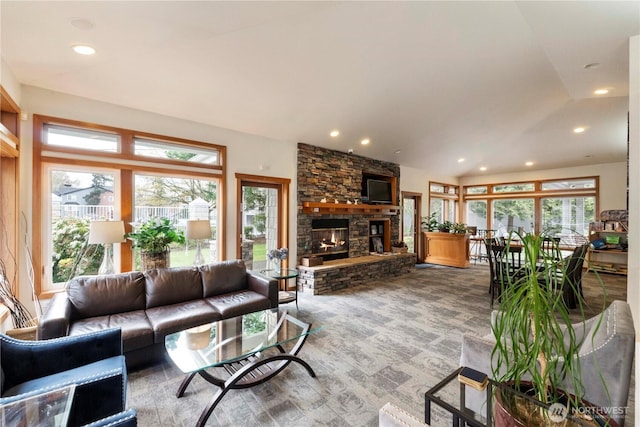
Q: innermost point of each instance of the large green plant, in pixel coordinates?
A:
(534, 337)
(71, 256)
(155, 235)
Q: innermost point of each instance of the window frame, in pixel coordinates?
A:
(537, 194)
(126, 164)
(447, 196)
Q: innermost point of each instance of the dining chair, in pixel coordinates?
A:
(569, 277)
(494, 254)
(551, 248)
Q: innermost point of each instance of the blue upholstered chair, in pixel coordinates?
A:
(93, 362)
(122, 419)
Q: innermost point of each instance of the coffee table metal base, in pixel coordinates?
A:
(245, 373)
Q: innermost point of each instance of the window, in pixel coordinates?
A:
(477, 214)
(567, 216)
(513, 215)
(569, 184)
(513, 188)
(162, 150)
(67, 228)
(179, 200)
(562, 207)
(443, 199)
(80, 138)
(86, 172)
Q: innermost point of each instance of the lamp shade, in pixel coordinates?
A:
(106, 232)
(198, 229)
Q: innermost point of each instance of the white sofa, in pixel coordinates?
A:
(391, 415)
(607, 351)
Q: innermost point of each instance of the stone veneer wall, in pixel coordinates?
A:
(338, 175)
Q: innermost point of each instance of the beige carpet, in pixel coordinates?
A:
(389, 340)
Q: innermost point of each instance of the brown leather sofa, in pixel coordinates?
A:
(148, 306)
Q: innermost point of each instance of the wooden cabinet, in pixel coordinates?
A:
(451, 249)
(612, 257)
(9, 175)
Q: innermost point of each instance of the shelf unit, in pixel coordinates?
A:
(9, 175)
(380, 228)
(613, 258)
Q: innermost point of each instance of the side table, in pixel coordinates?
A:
(284, 274)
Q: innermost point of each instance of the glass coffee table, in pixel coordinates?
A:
(250, 348)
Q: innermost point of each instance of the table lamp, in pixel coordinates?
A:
(106, 233)
(198, 229)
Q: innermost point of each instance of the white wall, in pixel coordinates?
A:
(249, 154)
(9, 82)
(417, 181)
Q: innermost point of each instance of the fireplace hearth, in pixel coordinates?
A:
(330, 238)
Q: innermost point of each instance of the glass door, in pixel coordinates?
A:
(411, 221)
(262, 220)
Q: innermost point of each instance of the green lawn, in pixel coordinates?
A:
(181, 258)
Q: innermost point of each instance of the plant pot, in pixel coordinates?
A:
(504, 416)
(399, 250)
(153, 260)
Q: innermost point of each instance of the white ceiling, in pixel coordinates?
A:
(495, 83)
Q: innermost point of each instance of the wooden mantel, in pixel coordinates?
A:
(345, 208)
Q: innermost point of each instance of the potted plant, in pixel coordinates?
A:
(153, 238)
(445, 226)
(430, 223)
(459, 228)
(536, 348)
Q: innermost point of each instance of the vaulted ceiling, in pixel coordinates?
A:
(428, 83)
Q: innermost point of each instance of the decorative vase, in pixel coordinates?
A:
(277, 264)
(153, 260)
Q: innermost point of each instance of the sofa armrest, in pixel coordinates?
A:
(27, 360)
(476, 354)
(263, 285)
(121, 419)
(54, 322)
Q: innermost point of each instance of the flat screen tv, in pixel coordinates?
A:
(379, 191)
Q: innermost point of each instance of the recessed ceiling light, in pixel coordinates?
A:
(460, 160)
(601, 91)
(365, 141)
(397, 152)
(529, 164)
(483, 168)
(592, 65)
(83, 49)
(578, 130)
(334, 133)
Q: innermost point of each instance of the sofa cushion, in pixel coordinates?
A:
(168, 319)
(165, 286)
(238, 303)
(92, 296)
(223, 277)
(136, 328)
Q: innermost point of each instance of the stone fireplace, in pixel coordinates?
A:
(330, 238)
(337, 176)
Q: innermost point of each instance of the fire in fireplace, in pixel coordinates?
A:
(330, 238)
